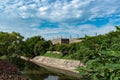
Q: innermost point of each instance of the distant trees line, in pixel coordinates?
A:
(13, 43)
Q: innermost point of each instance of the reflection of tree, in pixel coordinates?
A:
(37, 76)
(35, 72)
(65, 77)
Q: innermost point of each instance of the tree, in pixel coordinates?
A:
(117, 28)
(31, 42)
(101, 54)
(40, 48)
(63, 48)
(8, 41)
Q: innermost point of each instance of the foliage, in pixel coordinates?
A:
(3, 57)
(65, 49)
(31, 42)
(102, 56)
(101, 53)
(8, 42)
(12, 43)
(8, 71)
(40, 48)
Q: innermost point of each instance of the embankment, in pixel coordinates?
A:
(64, 66)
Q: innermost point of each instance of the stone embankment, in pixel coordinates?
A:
(60, 65)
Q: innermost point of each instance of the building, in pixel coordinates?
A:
(60, 41)
(65, 40)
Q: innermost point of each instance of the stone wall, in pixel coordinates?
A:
(63, 66)
(75, 40)
(60, 63)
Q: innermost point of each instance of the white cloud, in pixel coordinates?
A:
(62, 10)
(26, 16)
(82, 30)
(41, 9)
(23, 8)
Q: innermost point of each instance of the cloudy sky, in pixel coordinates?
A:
(52, 18)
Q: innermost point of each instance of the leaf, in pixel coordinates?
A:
(112, 66)
(117, 78)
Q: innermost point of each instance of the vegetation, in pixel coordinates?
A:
(58, 55)
(8, 71)
(10, 43)
(101, 53)
(55, 55)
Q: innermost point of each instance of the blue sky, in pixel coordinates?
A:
(56, 18)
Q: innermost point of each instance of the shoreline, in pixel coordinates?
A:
(70, 71)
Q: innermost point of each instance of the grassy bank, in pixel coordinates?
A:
(59, 56)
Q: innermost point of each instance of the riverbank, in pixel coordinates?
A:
(9, 71)
(64, 66)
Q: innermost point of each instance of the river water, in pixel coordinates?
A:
(35, 72)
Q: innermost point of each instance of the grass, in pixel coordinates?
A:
(68, 57)
(59, 56)
(54, 55)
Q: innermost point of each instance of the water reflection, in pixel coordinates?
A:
(35, 72)
(50, 77)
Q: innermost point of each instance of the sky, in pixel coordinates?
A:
(59, 18)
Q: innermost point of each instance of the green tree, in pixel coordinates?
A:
(31, 42)
(101, 54)
(63, 48)
(7, 40)
(40, 48)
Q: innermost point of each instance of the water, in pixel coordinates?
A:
(50, 77)
(35, 72)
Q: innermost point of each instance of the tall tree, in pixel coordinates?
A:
(8, 41)
(31, 42)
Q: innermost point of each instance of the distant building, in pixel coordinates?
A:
(60, 40)
(65, 40)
